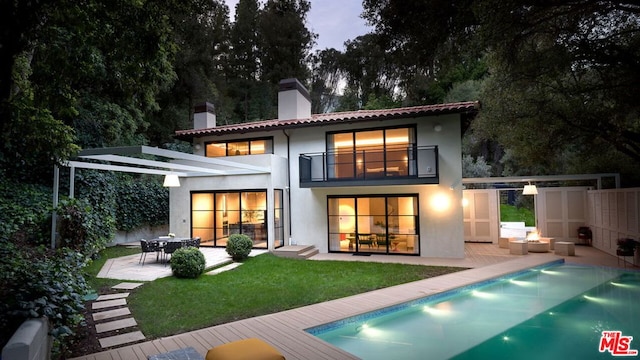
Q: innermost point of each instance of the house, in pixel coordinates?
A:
(370, 181)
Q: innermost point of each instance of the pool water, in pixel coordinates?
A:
(555, 312)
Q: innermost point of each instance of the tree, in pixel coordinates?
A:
(368, 69)
(562, 73)
(568, 87)
(244, 61)
(427, 45)
(475, 167)
(325, 80)
(202, 39)
(285, 41)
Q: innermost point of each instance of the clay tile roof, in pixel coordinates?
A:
(468, 107)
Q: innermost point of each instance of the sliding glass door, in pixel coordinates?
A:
(374, 224)
(217, 215)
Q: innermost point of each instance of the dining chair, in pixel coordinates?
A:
(169, 248)
(147, 247)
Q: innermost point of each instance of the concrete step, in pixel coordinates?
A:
(109, 314)
(108, 303)
(121, 339)
(112, 296)
(127, 285)
(296, 251)
(116, 325)
(309, 253)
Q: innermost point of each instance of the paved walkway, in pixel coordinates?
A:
(285, 330)
(129, 268)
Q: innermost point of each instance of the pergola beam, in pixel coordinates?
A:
(120, 168)
(543, 178)
(169, 154)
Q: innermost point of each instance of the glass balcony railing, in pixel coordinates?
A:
(397, 165)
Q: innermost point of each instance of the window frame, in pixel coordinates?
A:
(268, 139)
(360, 169)
(389, 224)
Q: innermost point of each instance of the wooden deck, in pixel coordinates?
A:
(285, 330)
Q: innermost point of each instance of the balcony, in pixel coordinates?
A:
(370, 167)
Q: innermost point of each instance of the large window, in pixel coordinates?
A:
(376, 224)
(370, 154)
(239, 147)
(217, 215)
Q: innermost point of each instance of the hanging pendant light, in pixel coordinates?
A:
(171, 180)
(530, 190)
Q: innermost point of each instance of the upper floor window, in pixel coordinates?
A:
(370, 153)
(239, 147)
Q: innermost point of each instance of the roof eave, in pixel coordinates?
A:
(468, 111)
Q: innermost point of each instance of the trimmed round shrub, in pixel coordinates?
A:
(187, 262)
(239, 246)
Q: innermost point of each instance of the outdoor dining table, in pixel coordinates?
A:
(163, 240)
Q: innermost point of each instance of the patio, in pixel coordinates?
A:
(129, 268)
(285, 330)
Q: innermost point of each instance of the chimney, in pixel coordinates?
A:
(294, 101)
(204, 116)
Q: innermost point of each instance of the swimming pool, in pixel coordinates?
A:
(555, 312)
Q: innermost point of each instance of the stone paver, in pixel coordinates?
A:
(116, 325)
(109, 303)
(128, 268)
(224, 268)
(127, 285)
(109, 314)
(112, 296)
(121, 339)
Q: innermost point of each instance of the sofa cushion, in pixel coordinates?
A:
(247, 349)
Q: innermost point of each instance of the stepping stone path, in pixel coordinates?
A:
(111, 315)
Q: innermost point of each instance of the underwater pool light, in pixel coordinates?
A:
(522, 283)
(598, 300)
(626, 286)
(483, 295)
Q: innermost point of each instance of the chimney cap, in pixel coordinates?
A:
(204, 107)
(294, 84)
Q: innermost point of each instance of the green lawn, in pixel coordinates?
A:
(261, 285)
(515, 214)
(94, 267)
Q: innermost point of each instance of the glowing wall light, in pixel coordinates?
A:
(440, 202)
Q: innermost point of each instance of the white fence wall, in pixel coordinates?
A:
(613, 214)
(560, 211)
(481, 219)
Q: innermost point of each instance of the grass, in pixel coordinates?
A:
(94, 267)
(513, 213)
(262, 285)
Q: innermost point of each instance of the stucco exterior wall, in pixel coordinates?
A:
(440, 206)
(441, 232)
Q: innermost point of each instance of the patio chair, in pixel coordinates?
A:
(365, 239)
(169, 248)
(147, 247)
(195, 242)
(381, 240)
